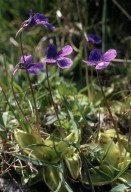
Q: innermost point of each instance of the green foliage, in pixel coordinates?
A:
(89, 152)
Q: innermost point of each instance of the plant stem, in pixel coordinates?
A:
(16, 100)
(31, 88)
(85, 49)
(54, 105)
(108, 108)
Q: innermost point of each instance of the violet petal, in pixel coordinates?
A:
(109, 55)
(51, 52)
(95, 55)
(65, 51)
(35, 67)
(64, 63)
(33, 71)
(46, 60)
(95, 39)
(48, 25)
(102, 65)
(42, 20)
(90, 62)
(38, 18)
(28, 59)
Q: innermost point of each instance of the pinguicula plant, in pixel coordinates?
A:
(97, 162)
(52, 149)
(37, 19)
(113, 154)
(26, 61)
(100, 62)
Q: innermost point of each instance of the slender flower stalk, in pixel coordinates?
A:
(54, 105)
(108, 108)
(31, 88)
(16, 100)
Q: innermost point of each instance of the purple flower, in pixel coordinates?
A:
(94, 39)
(101, 61)
(52, 56)
(30, 66)
(37, 19)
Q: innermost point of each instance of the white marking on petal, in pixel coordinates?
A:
(101, 63)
